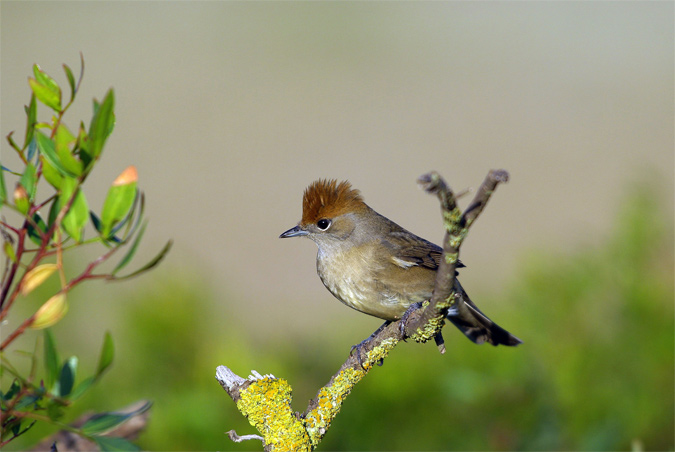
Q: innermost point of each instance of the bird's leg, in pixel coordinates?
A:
(360, 345)
(404, 320)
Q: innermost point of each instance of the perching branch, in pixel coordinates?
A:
(266, 400)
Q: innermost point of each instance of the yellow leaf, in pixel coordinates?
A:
(37, 276)
(51, 312)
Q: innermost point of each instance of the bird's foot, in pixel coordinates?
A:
(404, 320)
(358, 347)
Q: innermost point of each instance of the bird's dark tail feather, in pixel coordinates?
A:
(475, 325)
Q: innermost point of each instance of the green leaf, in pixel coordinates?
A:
(78, 214)
(51, 359)
(156, 260)
(107, 421)
(132, 250)
(29, 180)
(119, 200)
(64, 139)
(13, 390)
(51, 174)
(54, 410)
(82, 388)
(31, 112)
(45, 95)
(67, 377)
(83, 146)
(107, 354)
(3, 189)
(114, 444)
(32, 149)
(101, 124)
(9, 251)
(36, 236)
(47, 149)
(43, 79)
(71, 81)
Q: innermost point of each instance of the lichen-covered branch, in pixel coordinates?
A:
(456, 225)
(266, 400)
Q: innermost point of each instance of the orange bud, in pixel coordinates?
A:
(128, 176)
(37, 276)
(20, 192)
(51, 312)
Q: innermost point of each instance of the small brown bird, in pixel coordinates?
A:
(373, 265)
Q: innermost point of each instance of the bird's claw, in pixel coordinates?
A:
(360, 345)
(404, 319)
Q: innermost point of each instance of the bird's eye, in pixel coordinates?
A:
(323, 224)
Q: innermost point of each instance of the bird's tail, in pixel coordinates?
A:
(466, 316)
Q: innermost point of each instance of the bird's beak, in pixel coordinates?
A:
(294, 232)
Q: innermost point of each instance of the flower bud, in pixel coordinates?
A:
(36, 276)
(21, 199)
(51, 312)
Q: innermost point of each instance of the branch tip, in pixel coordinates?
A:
(238, 439)
(227, 378)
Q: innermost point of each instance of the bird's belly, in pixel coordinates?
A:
(362, 291)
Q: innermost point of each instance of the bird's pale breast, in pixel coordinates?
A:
(374, 283)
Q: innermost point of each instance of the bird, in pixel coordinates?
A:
(375, 266)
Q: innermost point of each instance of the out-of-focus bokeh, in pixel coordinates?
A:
(229, 109)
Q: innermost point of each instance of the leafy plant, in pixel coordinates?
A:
(34, 252)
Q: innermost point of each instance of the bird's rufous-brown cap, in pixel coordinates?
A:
(328, 199)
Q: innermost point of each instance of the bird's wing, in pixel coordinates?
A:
(411, 250)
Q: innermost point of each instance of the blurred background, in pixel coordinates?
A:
(230, 109)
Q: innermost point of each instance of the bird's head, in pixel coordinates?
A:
(330, 212)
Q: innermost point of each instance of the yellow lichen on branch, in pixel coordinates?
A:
(330, 397)
(267, 405)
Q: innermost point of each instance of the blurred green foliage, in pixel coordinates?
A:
(595, 371)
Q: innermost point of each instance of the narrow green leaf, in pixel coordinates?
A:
(31, 113)
(78, 214)
(107, 421)
(82, 388)
(9, 251)
(49, 83)
(118, 203)
(96, 221)
(47, 148)
(44, 78)
(63, 140)
(132, 250)
(32, 149)
(107, 354)
(67, 377)
(3, 189)
(101, 124)
(51, 358)
(36, 235)
(82, 145)
(51, 174)
(114, 444)
(156, 260)
(29, 180)
(45, 95)
(53, 212)
(71, 81)
(13, 390)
